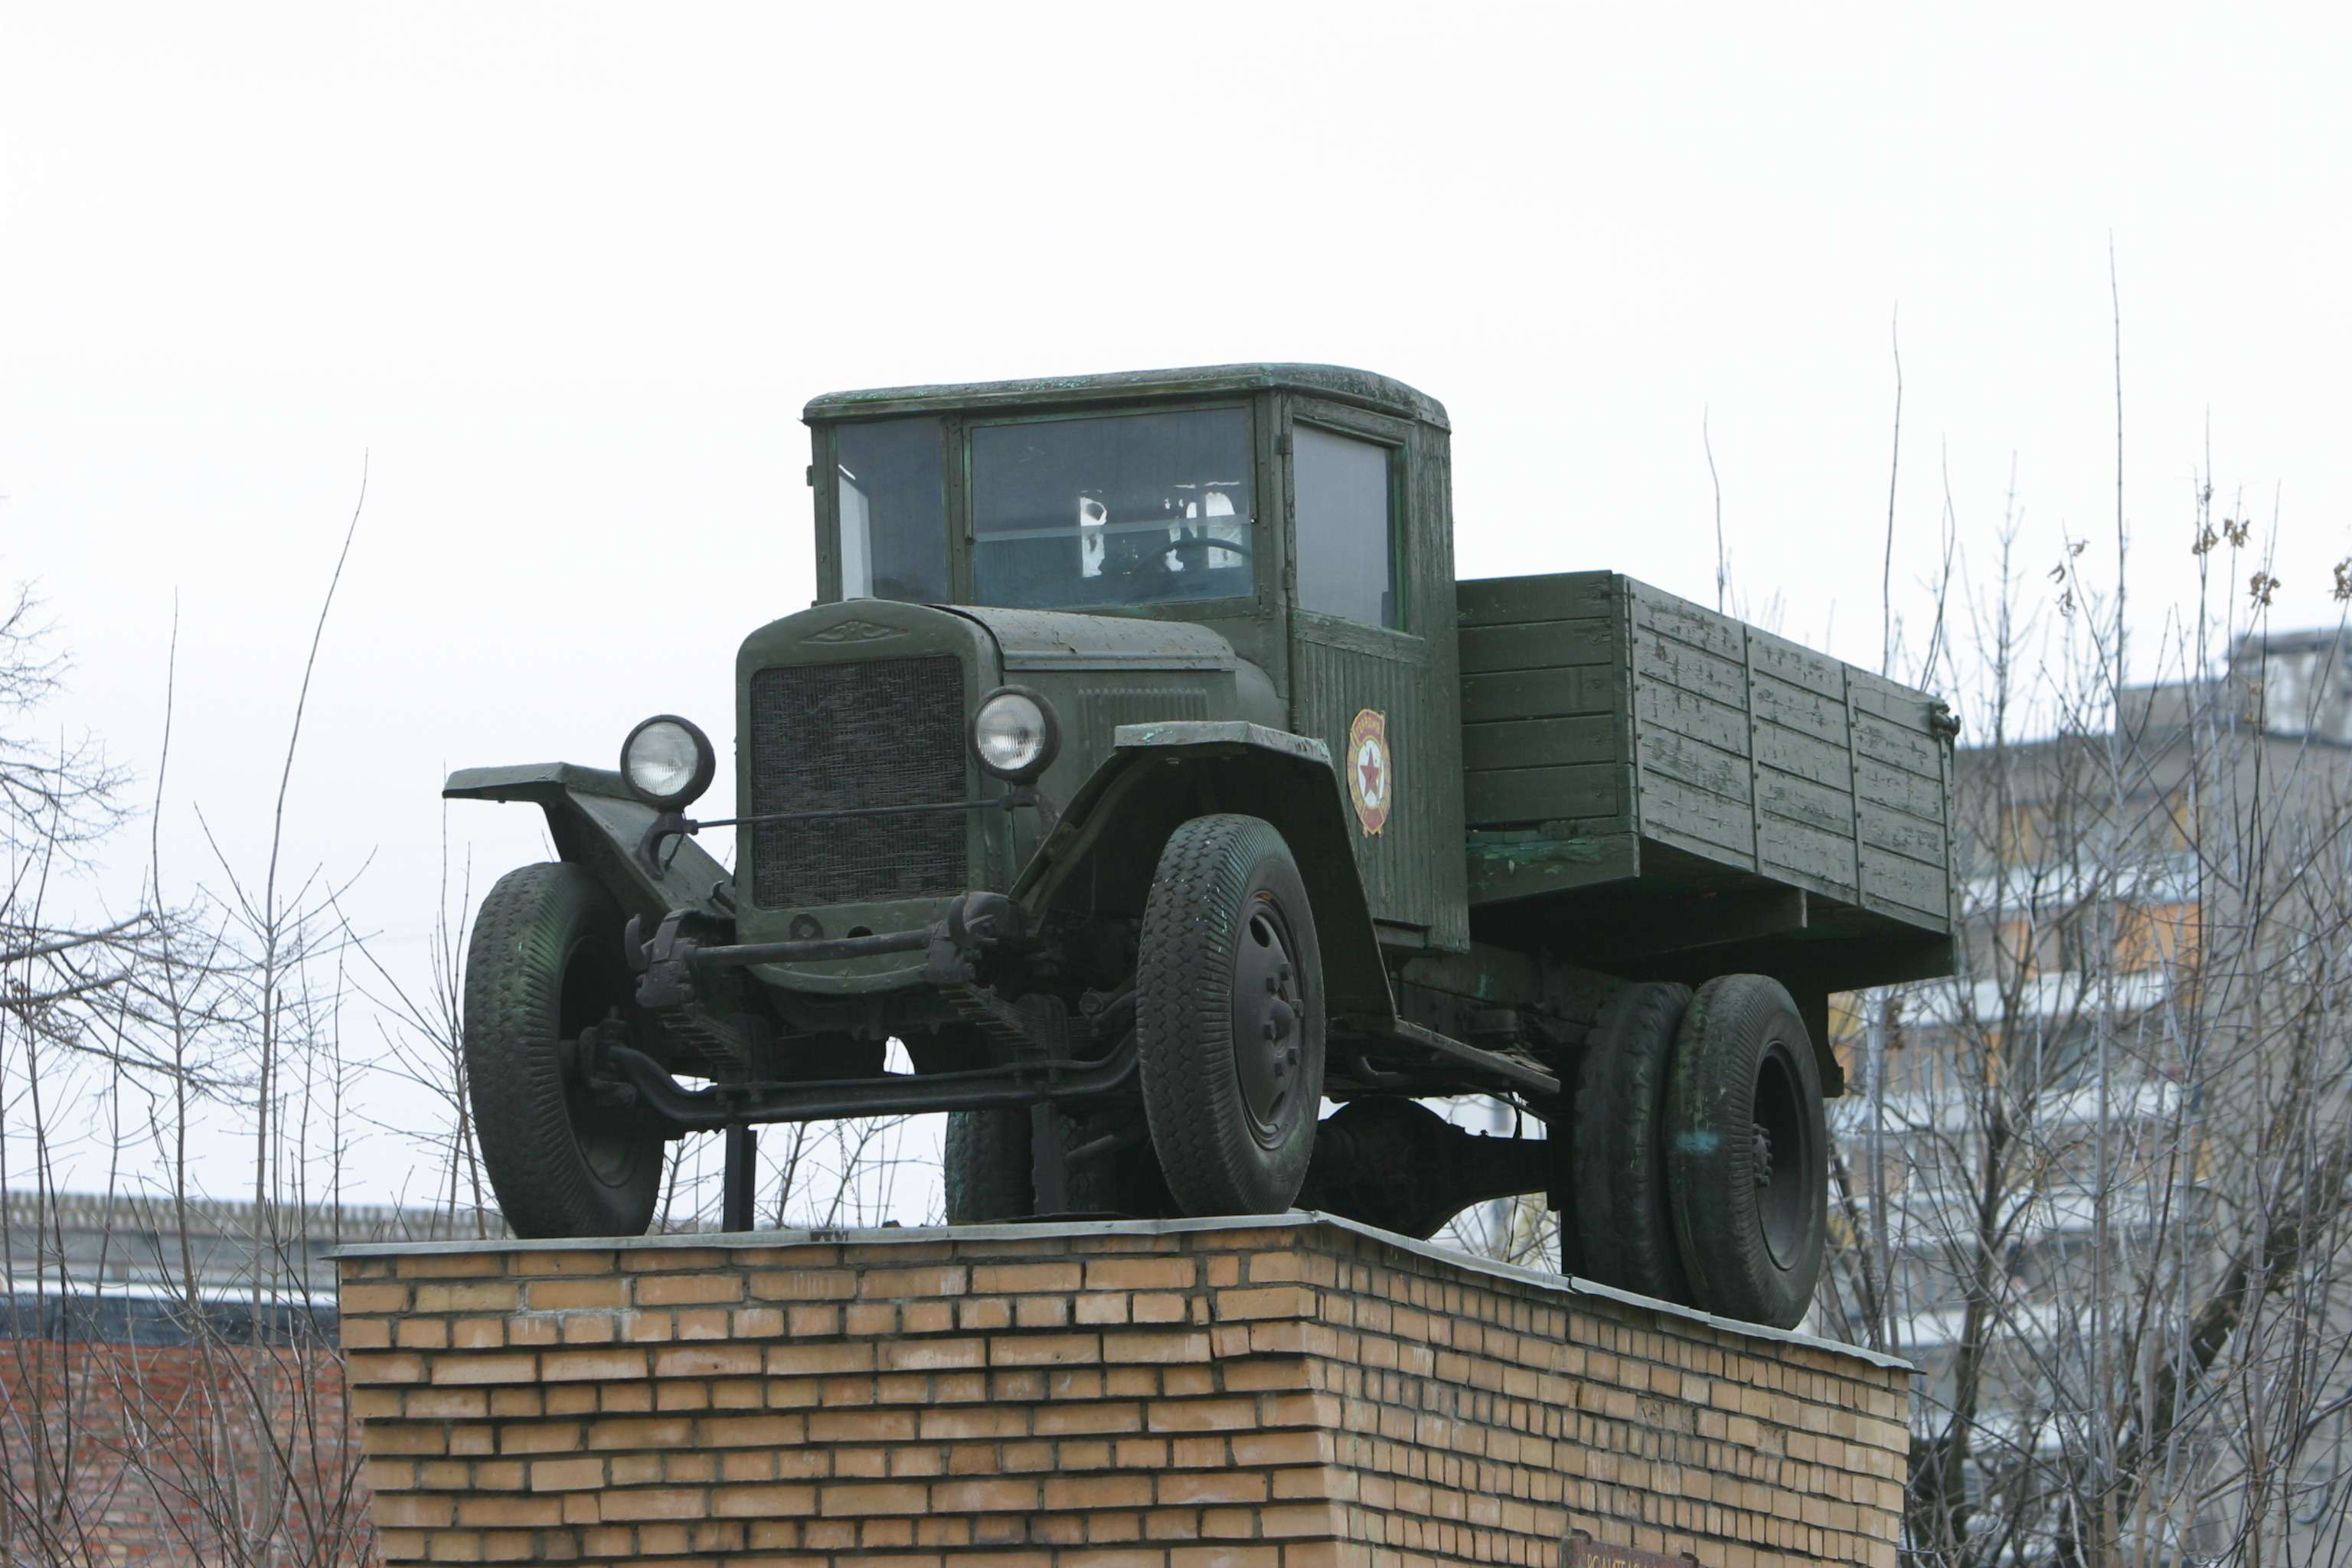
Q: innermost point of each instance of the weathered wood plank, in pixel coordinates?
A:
(1681, 664)
(1529, 866)
(1793, 846)
(1538, 794)
(1778, 746)
(1807, 712)
(1540, 693)
(1882, 699)
(1899, 879)
(1803, 800)
(1798, 664)
(1538, 644)
(1686, 713)
(1686, 622)
(1662, 754)
(1725, 827)
(1552, 596)
(1541, 743)
(1899, 788)
(1876, 739)
(1904, 835)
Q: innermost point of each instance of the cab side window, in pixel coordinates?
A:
(1347, 530)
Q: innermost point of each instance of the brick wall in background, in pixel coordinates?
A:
(170, 1390)
(177, 1453)
(1291, 1394)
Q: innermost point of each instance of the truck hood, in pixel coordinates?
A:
(1061, 641)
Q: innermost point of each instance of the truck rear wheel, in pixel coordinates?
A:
(543, 964)
(988, 1174)
(1229, 1017)
(984, 1166)
(1748, 1149)
(1624, 1220)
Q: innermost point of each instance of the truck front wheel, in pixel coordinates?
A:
(544, 964)
(1229, 1017)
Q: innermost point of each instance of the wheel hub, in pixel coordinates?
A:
(1782, 1154)
(603, 1126)
(1266, 1032)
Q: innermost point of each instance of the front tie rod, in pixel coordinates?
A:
(951, 946)
(1018, 1083)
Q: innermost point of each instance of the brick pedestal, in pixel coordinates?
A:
(1299, 1392)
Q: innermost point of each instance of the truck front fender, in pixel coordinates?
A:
(1101, 856)
(597, 824)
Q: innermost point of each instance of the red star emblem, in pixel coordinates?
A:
(1368, 753)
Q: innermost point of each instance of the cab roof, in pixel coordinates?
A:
(1361, 387)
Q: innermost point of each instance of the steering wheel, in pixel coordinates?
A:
(1205, 543)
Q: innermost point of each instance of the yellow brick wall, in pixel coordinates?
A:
(1294, 1394)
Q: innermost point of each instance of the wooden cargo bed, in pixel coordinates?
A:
(1653, 781)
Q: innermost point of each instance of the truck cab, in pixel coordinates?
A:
(1120, 773)
(1296, 514)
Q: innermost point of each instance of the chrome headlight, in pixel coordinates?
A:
(1015, 733)
(667, 762)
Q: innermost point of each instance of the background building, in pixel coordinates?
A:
(2094, 1184)
(170, 1386)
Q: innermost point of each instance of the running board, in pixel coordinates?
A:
(1523, 1075)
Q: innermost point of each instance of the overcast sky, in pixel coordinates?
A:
(566, 275)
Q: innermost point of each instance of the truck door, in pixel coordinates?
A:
(1371, 671)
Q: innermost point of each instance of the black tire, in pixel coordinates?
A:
(988, 1176)
(986, 1166)
(1748, 1151)
(544, 963)
(1624, 1220)
(1229, 1018)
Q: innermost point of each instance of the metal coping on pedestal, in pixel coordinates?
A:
(1296, 1219)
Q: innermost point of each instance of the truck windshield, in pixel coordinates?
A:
(1134, 508)
(892, 509)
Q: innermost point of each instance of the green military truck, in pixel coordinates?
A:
(1143, 769)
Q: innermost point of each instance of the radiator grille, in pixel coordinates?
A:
(883, 732)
